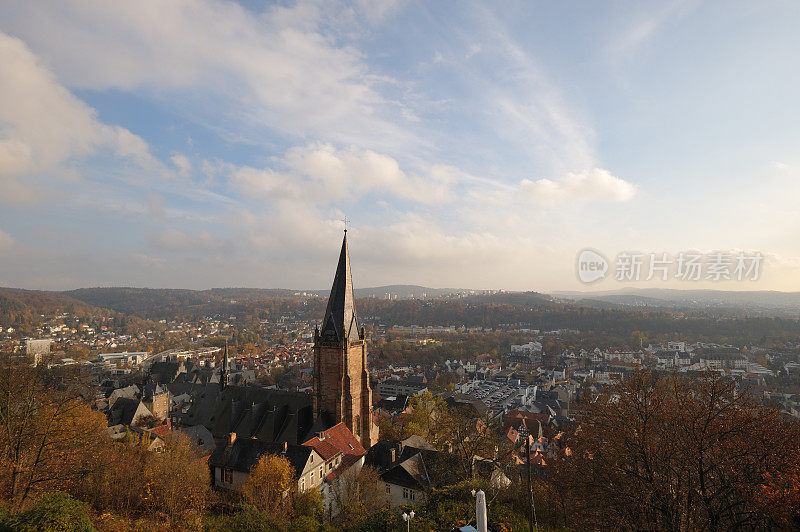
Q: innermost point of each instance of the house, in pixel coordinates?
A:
(201, 437)
(395, 387)
(341, 452)
(136, 436)
(128, 412)
(232, 460)
(409, 469)
(394, 405)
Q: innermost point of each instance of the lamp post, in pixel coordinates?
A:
(407, 517)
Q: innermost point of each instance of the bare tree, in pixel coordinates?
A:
(356, 494)
(676, 453)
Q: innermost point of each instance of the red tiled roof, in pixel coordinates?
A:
(160, 431)
(337, 439)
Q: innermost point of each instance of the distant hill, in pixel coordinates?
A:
(42, 302)
(19, 306)
(157, 303)
(399, 291)
(754, 300)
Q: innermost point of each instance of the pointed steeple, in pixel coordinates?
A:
(340, 316)
(223, 377)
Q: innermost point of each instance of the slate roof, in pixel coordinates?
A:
(201, 437)
(254, 412)
(340, 320)
(123, 411)
(423, 468)
(244, 453)
(130, 392)
(393, 405)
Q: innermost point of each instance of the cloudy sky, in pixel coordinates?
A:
(203, 143)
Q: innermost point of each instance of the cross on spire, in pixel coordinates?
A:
(345, 220)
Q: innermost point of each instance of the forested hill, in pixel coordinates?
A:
(166, 303)
(25, 306)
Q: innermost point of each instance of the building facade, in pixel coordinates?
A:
(341, 376)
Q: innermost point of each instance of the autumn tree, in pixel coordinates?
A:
(424, 420)
(269, 485)
(48, 435)
(356, 494)
(679, 453)
(176, 480)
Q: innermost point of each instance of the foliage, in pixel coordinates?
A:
(308, 503)
(357, 494)
(48, 435)
(269, 484)
(134, 481)
(247, 520)
(52, 513)
(679, 453)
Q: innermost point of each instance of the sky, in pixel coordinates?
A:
(207, 143)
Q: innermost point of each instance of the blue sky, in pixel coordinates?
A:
(209, 143)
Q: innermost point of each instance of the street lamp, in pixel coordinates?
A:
(407, 517)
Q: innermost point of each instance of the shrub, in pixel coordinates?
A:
(52, 513)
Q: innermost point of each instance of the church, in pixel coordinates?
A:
(248, 421)
(341, 377)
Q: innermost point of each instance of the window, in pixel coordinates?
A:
(312, 477)
(405, 493)
(320, 472)
(227, 476)
(411, 494)
(302, 483)
(388, 489)
(312, 459)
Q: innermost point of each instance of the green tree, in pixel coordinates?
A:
(53, 513)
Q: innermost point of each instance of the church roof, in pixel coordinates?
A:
(340, 316)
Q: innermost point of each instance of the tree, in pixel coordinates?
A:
(53, 512)
(176, 480)
(678, 453)
(427, 410)
(356, 494)
(148, 421)
(269, 485)
(48, 436)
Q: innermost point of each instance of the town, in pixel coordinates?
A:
(332, 399)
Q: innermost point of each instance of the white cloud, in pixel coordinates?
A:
(182, 163)
(643, 28)
(525, 107)
(6, 241)
(283, 67)
(322, 173)
(43, 126)
(473, 49)
(578, 187)
(178, 241)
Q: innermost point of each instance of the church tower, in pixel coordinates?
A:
(341, 377)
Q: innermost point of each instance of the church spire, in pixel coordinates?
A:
(340, 320)
(223, 377)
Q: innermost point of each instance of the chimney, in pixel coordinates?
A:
(285, 446)
(232, 437)
(391, 455)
